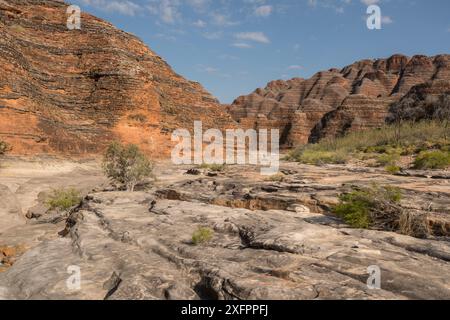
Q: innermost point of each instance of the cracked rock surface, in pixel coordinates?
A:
(139, 245)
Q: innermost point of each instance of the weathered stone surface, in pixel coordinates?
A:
(138, 245)
(71, 92)
(10, 209)
(334, 102)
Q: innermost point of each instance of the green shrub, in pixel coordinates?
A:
(213, 167)
(393, 169)
(388, 159)
(126, 164)
(64, 199)
(354, 209)
(202, 235)
(364, 208)
(432, 160)
(406, 139)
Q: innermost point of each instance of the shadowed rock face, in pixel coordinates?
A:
(337, 101)
(72, 92)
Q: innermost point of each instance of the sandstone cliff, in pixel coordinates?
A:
(336, 101)
(70, 92)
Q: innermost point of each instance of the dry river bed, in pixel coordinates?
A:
(271, 240)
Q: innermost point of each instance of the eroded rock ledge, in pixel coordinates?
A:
(138, 245)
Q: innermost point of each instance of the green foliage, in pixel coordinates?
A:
(202, 235)
(435, 159)
(399, 139)
(388, 159)
(393, 169)
(64, 199)
(356, 208)
(126, 164)
(213, 167)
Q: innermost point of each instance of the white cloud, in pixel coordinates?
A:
(295, 67)
(222, 20)
(199, 5)
(166, 10)
(370, 2)
(125, 7)
(199, 23)
(263, 11)
(337, 5)
(242, 45)
(252, 36)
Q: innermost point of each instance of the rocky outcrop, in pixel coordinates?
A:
(270, 240)
(337, 101)
(73, 91)
(430, 100)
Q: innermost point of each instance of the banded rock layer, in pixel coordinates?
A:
(336, 101)
(71, 92)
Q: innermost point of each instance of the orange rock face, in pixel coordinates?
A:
(71, 92)
(334, 102)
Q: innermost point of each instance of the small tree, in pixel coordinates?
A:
(126, 164)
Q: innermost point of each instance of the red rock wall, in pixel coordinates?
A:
(337, 101)
(72, 92)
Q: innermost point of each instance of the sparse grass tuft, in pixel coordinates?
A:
(435, 159)
(279, 177)
(64, 199)
(414, 225)
(385, 144)
(202, 235)
(388, 159)
(393, 169)
(213, 167)
(364, 208)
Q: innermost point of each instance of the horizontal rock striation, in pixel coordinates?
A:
(71, 92)
(336, 101)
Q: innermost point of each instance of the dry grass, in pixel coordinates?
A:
(391, 140)
(414, 224)
(279, 177)
(378, 207)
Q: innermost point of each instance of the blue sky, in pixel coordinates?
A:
(235, 46)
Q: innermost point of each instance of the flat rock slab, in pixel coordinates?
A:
(125, 251)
